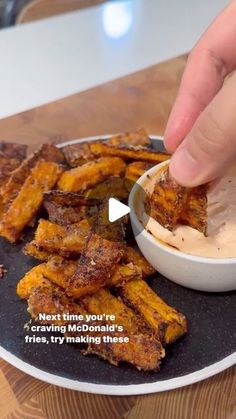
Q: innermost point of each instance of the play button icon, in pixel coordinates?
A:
(116, 210)
(114, 192)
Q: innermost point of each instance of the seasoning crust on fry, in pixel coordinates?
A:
(129, 152)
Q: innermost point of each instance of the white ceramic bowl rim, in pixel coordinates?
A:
(153, 240)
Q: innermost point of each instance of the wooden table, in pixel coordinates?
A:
(141, 99)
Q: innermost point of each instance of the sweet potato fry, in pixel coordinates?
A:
(133, 326)
(129, 153)
(167, 200)
(33, 278)
(194, 213)
(138, 138)
(132, 255)
(10, 150)
(51, 300)
(114, 186)
(95, 267)
(88, 175)
(171, 204)
(104, 302)
(136, 169)
(26, 205)
(163, 319)
(59, 271)
(69, 207)
(11, 189)
(63, 240)
(124, 273)
(64, 215)
(102, 252)
(34, 250)
(69, 199)
(78, 154)
(11, 156)
(141, 350)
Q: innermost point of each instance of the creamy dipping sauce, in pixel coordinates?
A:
(221, 209)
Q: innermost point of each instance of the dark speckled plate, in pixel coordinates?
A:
(208, 348)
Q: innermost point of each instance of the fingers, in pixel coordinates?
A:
(208, 64)
(210, 147)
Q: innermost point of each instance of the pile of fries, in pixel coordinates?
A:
(87, 265)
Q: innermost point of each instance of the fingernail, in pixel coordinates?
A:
(184, 168)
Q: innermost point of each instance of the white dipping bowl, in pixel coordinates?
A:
(196, 272)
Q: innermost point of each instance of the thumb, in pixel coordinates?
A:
(210, 147)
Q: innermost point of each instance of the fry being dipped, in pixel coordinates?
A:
(172, 204)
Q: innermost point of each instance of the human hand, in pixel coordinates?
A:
(201, 131)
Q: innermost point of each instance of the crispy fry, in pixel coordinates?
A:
(129, 153)
(26, 205)
(194, 213)
(88, 175)
(69, 207)
(78, 154)
(132, 255)
(138, 138)
(11, 156)
(12, 150)
(136, 169)
(10, 191)
(64, 240)
(104, 302)
(51, 300)
(65, 215)
(1, 207)
(171, 204)
(114, 186)
(163, 319)
(33, 250)
(69, 199)
(102, 252)
(167, 200)
(141, 350)
(134, 328)
(33, 278)
(124, 273)
(95, 267)
(59, 271)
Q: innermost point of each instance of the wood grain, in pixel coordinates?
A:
(141, 99)
(40, 9)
